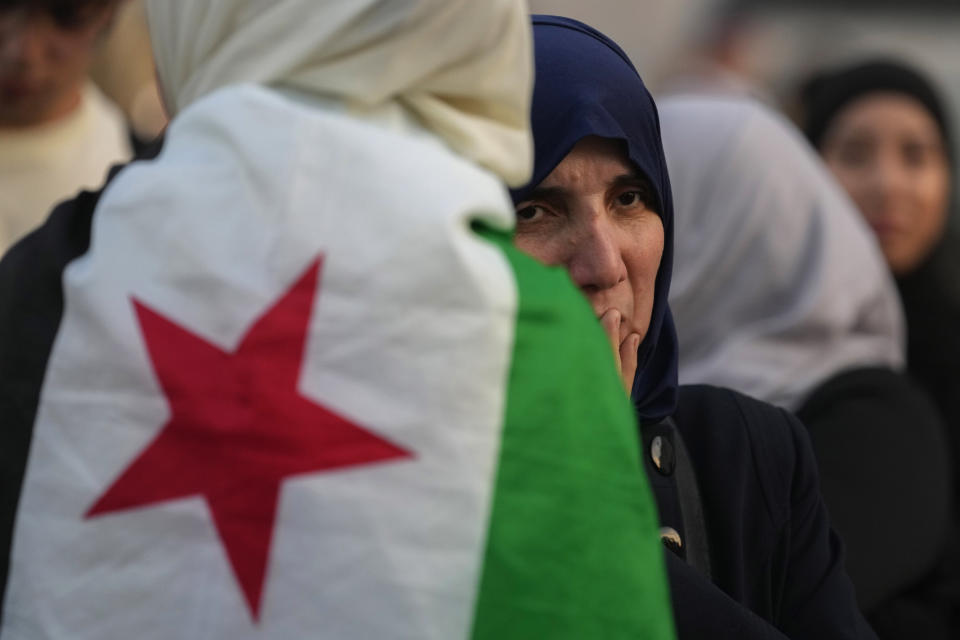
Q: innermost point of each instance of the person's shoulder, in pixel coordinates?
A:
(869, 394)
(64, 235)
(727, 430)
(30, 271)
(67, 225)
(721, 413)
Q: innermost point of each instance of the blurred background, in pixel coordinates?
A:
(123, 69)
(761, 46)
(767, 47)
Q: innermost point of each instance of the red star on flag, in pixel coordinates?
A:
(238, 428)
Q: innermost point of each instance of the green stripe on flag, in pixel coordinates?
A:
(572, 549)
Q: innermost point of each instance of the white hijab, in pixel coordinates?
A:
(777, 283)
(462, 68)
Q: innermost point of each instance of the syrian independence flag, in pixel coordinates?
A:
(240, 401)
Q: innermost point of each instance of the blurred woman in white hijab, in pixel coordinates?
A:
(280, 397)
(780, 292)
(778, 284)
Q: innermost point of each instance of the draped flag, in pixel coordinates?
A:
(277, 384)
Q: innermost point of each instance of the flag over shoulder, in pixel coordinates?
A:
(293, 389)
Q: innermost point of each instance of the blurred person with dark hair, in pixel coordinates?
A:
(781, 292)
(58, 133)
(883, 131)
(882, 128)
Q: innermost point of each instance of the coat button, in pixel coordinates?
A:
(661, 452)
(671, 540)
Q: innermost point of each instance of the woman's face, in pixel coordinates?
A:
(887, 152)
(593, 216)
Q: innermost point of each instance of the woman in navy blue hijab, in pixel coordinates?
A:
(750, 549)
(592, 89)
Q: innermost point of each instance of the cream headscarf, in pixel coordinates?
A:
(777, 283)
(463, 68)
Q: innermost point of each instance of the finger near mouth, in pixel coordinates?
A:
(611, 321)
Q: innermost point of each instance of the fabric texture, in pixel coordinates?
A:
(461, 68)
(42, 165)
(777, 566)
(778, 283)
(894, 514)
(587, 86)
(931, 300)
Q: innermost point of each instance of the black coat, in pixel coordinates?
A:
(886, 471)
(931, 302)
(776, 566)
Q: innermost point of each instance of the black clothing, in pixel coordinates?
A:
(931, 302)
(927, 609)
(907, 571)
(777, 567)
(885, 474)
(29, 320)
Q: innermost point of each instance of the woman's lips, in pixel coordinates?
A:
(886, 229)
(14, 89)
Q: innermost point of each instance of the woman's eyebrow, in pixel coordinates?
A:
(636, 180)
(630, 180)
(549, 194)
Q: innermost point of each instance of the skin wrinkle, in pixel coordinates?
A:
(591, 215)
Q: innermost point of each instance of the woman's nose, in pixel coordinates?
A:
(594, 259)
(22, 41)
(890, 179)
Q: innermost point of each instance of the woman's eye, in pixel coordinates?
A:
(914, 156)
(629, 198)
(917, 154)
(528, 213)
(856, 154)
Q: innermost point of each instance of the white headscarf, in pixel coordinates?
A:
(777, 285)
(462, 68)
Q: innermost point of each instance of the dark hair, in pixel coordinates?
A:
(66, 13)
(825, 95)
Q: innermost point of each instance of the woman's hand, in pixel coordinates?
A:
(624, 352)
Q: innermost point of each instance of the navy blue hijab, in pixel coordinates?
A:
(586, 86)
